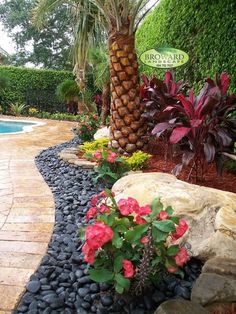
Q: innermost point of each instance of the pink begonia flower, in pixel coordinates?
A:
(139, 220)
(181, 257)
(163, 215)
(128, 206)
(91, 213)
(111, 157)
(180, 230)
(88, 254)
(98, 234)
(94, 200)
(97, 155)
(104, 209)
(144, 240)
(172, 269)
(128, 268)
(144, 210)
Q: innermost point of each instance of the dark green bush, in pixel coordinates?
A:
(35, 88)
(67, 90)
(204, 29)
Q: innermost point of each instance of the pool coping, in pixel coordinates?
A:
(26, 128)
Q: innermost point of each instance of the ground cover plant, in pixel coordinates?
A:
(129, 245)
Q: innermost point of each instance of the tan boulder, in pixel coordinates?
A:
(210, 213)
(101, 133)
(180, 307)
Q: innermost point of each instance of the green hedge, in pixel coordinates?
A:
(205, 29)
(35, 88)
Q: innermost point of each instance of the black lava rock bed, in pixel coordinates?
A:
(61, 284)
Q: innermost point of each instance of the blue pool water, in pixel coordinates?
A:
(13, 126)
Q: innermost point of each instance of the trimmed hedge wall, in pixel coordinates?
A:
(35, 88)
(205, 29)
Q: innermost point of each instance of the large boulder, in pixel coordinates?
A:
(180, 307)
(210, 213)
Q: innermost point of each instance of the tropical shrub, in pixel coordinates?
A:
(67, 90)
(17, 109)
(90, 147)
(32, 111)
(87, 127)
(111, 166)
(137, 160)
(204, 123)
(128, 244)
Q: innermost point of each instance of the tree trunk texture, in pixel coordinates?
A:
(105, 102)
(127, 126)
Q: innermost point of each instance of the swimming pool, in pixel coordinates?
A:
(12, 126)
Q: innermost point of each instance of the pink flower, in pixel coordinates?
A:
(88, 254)
(111, 157)
(144, 240)
(128, 206)
(94, 200)
(102, 194)
(91, 213)
(139, 220)
(181, 257)
(97, 155)
(104, 209)
(128, 268)
(180, 230)
(144, 210)
(163, 215)
(98, 234)
(172, 269)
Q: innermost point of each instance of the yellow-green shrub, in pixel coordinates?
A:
(138, 160)
(90, 147)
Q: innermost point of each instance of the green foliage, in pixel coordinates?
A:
(138, 160)
(4, 80)
(51, 45)
(129, 245)
(90, 147)
(67, 90)
(204, 29)
(231, 166)
(33, 87)
(87, 127)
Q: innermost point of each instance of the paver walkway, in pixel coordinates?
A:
(26, 207)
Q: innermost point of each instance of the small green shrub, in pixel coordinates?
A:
(67, 90)
(138, 160)
(90, 147)
(231, 166)
(87, 127)
(4, 80)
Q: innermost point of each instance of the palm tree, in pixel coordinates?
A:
(120, 18)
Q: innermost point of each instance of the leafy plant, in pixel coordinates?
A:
(128, 243)
(110, 167)
(67, 90)
(90, 147)
(17, 109)
(137, 160)
(33, 111)
(87, 127)
(205, 124)
(4, 80)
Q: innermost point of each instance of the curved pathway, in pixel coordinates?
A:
(26, 207)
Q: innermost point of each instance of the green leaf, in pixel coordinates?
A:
(136, 232)
(164, 225)
(122, 281)
(117, 241)
(81, 233)
(119, 288)
(175, 220)
(122, 221)
(111, 219)
(169, 210)
(100, 275)
(173, 250)
(156, 261)
(120, 228)
(118, 263)
(170, 263)
(156, 207)
(158, 235)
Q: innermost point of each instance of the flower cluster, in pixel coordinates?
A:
(87, 127)
(123, 232)
(110, 165)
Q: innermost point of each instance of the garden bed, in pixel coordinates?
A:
(61, 284)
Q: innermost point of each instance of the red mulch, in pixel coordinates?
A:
(227, 182)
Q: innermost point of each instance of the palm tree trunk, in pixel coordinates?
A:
(127, 126)
(105, 102)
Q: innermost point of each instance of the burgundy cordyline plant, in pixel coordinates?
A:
(127, 244)
(202, 124)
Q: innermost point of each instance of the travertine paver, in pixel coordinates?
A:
(26, 207)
